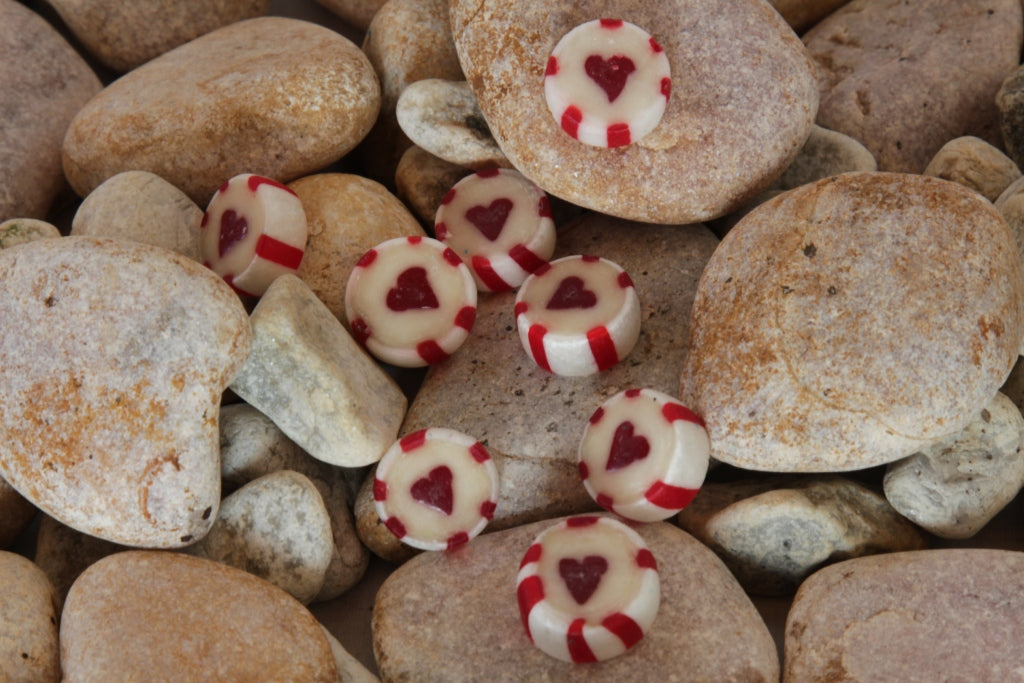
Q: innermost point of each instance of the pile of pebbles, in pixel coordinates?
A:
(825, 231)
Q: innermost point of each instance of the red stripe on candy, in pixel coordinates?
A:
(619, 135)
(625, 281)
(414, 239)
(440, 231)
(485, 271)
(670, 497)
(583, 469)
(584, 520)
(520, 308)
(380, 489)
(529, 592)
(579, 651)
(448, 196)
(590, 258)
(544, 207)
(367, 258)
(632, 393)
(224, 186)
(677, 411)
(487, 509)
(666, 87)
(532, 554)
(488, 172)
(655, 47)
(451, 257)
(256, 180)
(571, 119)
(552, 67)
(455, 540)
(543, 269)
(413, 440)
(611, 23)
(526, 259)
(596, 417)
(645, 560)
(431, 352)
(230, 279)
(206, 219)
(466, 317)
(627, 630)
(602, 347)
(479, 453)
(536, 339)
(396, 527)
(278, 252)
(360, 330)
(605, 501)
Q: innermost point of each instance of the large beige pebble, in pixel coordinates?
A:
(849, 322)
(29, 651)
(731, 126)
(44, 84)
(347, 216)
(454, 617)
(124, 35)
(308, 375)
(976, 164)
(274, 96)
(112, 364)
(143, 207)
(140, 615)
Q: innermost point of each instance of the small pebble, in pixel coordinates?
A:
(422, 180)
(976, 164)
(29, 649)
(825, 153)
(19, 230)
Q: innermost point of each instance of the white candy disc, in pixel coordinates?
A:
(607, 83)
(578, 315)
(644, 455)
(500, 225)
(411, 301)
(253, 231)
(588, 589)
(436, 489)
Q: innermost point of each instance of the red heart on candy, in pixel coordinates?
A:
(611, 74)
(626, 447)
(582, 577)
(490, 220)
(435, 489)
(572, 293)
(412, 290)
(233, 229)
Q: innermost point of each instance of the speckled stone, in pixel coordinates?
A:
(124, 35)
(530, 420)
(64, 553)
(422, 180)
(825, 153)
(29, 651)
(277, 528)
(1010, 205)
(775, 531)
(1010, 103)
(802, 14)
(730, 128)
(274, 96)
(906, 77)
(138, 612)
(112, 364)
(15, 514)
(929, 615)
(308, 375)
(408, 40)
(142, 207)
(45, 82)
(706, 628)
(357, 13)
(800, 362)
(19, 230)
(253, 446)
(976, 164)
(443, 117)
(955, 486)
(347, 216)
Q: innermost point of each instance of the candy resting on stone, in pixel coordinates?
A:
(643, 455)
(500, 225)
(607, 83)
(588, 589)
(578, 315)
(411, 301)
(436, 489)
(254, 230)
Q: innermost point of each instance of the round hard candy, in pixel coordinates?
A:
(500, 225)
(643, 455)
(436, 489)
(411, 301)
(588, 589)
(578, 315)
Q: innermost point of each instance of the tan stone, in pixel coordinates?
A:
(422, 180)
(29, 650)
(976, 164)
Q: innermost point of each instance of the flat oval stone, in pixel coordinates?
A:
(799, 362)
(976, 164)
(143, 207)
(137, 612)
(730, 128)
(825, 153)
(273, 96)
(923, 615)
(956, 485)
(277, 528)
(45, 82)
(775, 531)
(904, 78)
(112, 365)
(706, 625)
(123, 36)
(29, 650)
